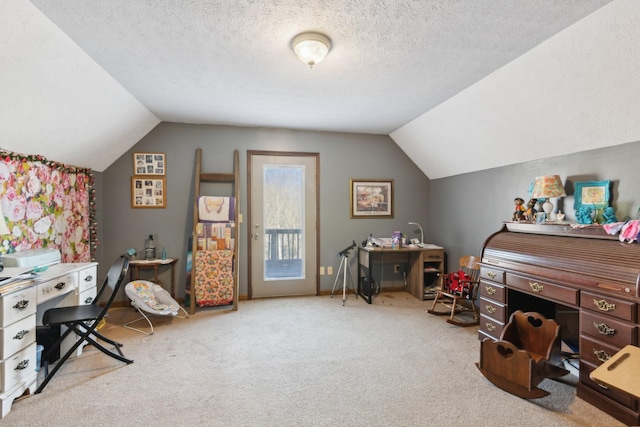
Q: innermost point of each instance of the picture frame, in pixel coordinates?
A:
(149, 164)
(371, 198)
(591, 193)
(148, 192)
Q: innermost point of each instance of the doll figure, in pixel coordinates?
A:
(518, 214)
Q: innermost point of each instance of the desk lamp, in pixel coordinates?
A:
(546, 187)
(421, 232)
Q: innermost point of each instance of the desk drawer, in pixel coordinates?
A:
(17, 305)
(18, 367)
(17, 336)
(493, 291)
(620, 397)
(56, 287)
(492, 309)
(621, 309)
(596, 352)
(607, 330)
(87, 297)
(87, 278)
(493, 274)
(543, 289)
(490, 327)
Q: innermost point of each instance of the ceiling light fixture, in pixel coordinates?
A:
(311, 48)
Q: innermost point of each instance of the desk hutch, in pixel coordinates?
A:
(555, 267)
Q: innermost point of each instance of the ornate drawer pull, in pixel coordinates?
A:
(21, 305)
(20, 334)
(490, 290)
(60, 286)
(536, 287)
(88, 278)
(604, 329)
(601, 355)
(89, 300)
(491, 327)
(491, 309)
(492, 274)
(22, 365)
(604, 305)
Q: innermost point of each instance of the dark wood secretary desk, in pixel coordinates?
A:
(538, 267)
(421, 263)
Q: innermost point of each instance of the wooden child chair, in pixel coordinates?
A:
(527, 352)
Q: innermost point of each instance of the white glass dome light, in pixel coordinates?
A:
(311, 48)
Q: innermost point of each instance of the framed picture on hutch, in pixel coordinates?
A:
(371, 198)
(149, 164)
(148, 192)
(591, 193)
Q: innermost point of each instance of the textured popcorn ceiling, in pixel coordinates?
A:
(230, 62)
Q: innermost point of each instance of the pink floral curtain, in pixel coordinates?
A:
(46, 204)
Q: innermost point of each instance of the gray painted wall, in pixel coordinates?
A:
(466, 209)
(342, 157)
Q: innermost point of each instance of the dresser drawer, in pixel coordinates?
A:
(17, 336)
(493, 274)
(493, 291)
(18, 367)
(87, 278)
(615, 307)
(56, 287)
(596, 352)
(607, 330)
(87, 297)
(18, 305)
(490, 327)
(543, 289)
(492, 309)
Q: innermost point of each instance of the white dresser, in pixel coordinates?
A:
(21, 311)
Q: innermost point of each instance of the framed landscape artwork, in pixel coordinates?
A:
(371, 198)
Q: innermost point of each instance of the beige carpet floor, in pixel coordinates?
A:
(305, 361)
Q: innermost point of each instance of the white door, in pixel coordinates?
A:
(283, 224)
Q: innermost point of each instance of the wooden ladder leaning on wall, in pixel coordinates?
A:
(232, 178)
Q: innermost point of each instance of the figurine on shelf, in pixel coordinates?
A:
(609, 215)
(560, 216)
(530, 213)
(584, 215)
(518, 215)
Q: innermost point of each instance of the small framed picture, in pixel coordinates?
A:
(149, 164)
(148, 192)
(591, 193)
(371, 198)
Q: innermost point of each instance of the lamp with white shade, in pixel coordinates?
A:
(546, 187)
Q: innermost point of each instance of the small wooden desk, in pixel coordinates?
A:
(419, 261)
(137, 264)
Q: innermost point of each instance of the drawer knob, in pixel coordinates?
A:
(491, 327)
(604, 305)
(602, 355)
(60, 286)
(491, 274)
(490, 309)
(88, 278)
(536, 287)
(21, 305)
(490, 290)
(604, 329)
(22, 365)
(20, 334)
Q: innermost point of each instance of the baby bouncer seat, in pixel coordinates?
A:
(151, 298)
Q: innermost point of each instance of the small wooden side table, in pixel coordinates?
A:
(137, 264)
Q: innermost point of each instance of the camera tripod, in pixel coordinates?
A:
(346, 273)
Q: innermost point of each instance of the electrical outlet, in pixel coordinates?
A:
(396, 268)
(329, 270)
(322, 271)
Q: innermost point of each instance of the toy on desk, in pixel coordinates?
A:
(584, 215)
(530, 213)
(609, 215)
(519, 213)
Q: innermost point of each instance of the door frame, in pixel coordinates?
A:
(250, 154)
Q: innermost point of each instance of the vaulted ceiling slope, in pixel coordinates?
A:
(86, 79)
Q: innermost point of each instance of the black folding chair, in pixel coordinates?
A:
(83, 320)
